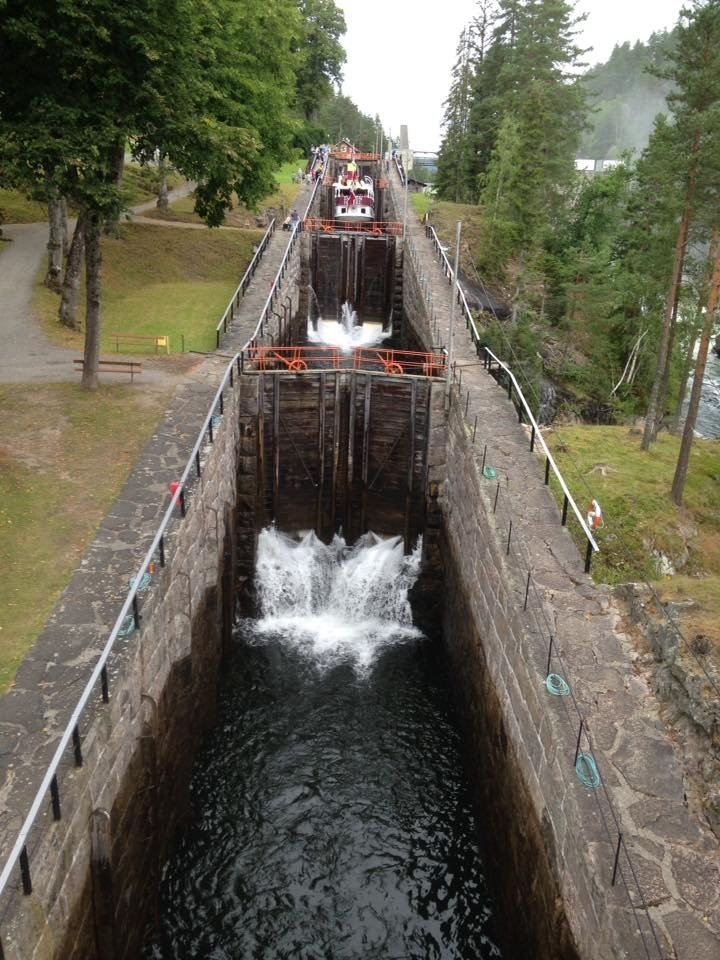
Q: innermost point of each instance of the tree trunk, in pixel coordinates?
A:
(655, 409)
(162, 197)
(681, 469)
(93, 298)
(71, 284)
(687, 367)
(65, 238)
(54, 274)
(664, 387)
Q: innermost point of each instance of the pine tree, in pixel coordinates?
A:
(713, 299)
(547, 103)
(695, 72)
(454, 181)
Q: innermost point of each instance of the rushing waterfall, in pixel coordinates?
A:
(348, 333)
(336, 602)
(330, 814)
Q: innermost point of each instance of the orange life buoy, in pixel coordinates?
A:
(297, 366)
(594, 515)
(394, 367)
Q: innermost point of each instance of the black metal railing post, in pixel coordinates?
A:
(577, 745)
(55, 798)
(617, 860)
(25, 872)
(77, 746)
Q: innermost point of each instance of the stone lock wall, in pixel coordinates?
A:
(498, 699)
(96, 871)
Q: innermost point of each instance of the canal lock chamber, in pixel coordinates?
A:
(358, 787)
(354, 786)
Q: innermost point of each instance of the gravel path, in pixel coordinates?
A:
(26, 354)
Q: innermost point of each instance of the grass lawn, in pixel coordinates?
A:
(64, 456)
(140, 183)
(633, 490)
(280, 202)
(16, 208)
(162, 281)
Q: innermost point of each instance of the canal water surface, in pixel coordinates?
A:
(330, 814)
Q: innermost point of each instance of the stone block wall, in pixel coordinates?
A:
(96, 871)
(534, 809)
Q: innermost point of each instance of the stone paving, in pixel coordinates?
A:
(674, 852)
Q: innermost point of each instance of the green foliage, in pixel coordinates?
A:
(338, 117)
(627, 94)
(320, 53)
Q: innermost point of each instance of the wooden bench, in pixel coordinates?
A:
(140, 340)
(114, 366)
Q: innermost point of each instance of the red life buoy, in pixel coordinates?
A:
(594, 516)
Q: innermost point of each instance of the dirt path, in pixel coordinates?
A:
(27, 354)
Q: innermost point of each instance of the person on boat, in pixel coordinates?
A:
(352, 170)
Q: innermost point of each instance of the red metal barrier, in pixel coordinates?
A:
(379, 228)
(312, 358)
(355, 156)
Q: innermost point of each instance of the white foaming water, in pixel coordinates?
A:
(334, 602)
(347, 333)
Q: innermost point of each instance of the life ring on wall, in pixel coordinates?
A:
(594, 515)
(297, 366)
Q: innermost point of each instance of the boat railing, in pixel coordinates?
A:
(374, 227)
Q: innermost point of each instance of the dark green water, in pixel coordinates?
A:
(330, 816)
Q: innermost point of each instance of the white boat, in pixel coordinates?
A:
(354, 200)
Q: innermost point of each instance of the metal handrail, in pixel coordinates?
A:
(125, 611)
(275, 286)
(489, 358)
(129, 608)
(538, 434)
(244, 283)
